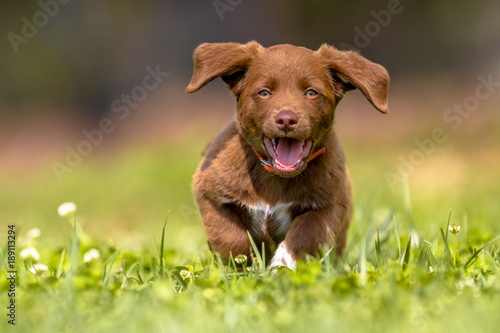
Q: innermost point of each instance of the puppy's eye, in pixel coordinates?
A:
(264, 93)
(311, 93)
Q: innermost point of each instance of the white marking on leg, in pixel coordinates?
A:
(282, 257)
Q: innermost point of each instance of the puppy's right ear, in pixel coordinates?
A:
(227, 60)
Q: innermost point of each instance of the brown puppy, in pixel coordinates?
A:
(277, 170)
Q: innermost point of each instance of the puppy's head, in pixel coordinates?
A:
(287, 95)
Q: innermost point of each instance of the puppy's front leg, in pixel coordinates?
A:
(226, 231)
(308, 233)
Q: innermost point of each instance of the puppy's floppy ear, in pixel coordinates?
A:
(227, 60)
(355, 71)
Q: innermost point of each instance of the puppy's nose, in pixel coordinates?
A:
(286, 120)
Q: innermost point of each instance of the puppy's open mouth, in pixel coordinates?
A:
(287, 155)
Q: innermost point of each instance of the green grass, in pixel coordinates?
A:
(156, 275)
(385, 282)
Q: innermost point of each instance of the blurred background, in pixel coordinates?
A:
(93, 109)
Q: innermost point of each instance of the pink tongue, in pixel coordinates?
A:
(289, 151)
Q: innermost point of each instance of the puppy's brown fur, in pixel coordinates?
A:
(286, 96)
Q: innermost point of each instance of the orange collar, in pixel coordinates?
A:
(267, 165)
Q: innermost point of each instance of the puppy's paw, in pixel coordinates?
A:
(283, 257)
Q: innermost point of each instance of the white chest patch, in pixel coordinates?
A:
(278, 215)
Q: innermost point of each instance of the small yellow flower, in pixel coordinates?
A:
(67, 209)
(241, 259)
(92, 254)
(30, 253)
(454, 228)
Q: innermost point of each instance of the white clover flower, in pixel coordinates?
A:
(185, 274)
(454, 228)
(241, 259)
(30, 253)
(33, 233)
(41, 270)
(67, 209)
(92, 254)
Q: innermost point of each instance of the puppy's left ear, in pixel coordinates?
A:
(357, 72)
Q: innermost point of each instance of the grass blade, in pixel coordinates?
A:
(231, 261)
(75, 246)
(139, 275)
(179, 279)
(406, 257)
(476, 253)
(256, 251)
(126, 276)
(222, 269)
(60, 265)
(162, 244)
(448, 226)
(362, 264)
(326, 256)
(447, 252)
(377, 250)
(422, 257)
(351, 245)
(397, 239)
(107, 271)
